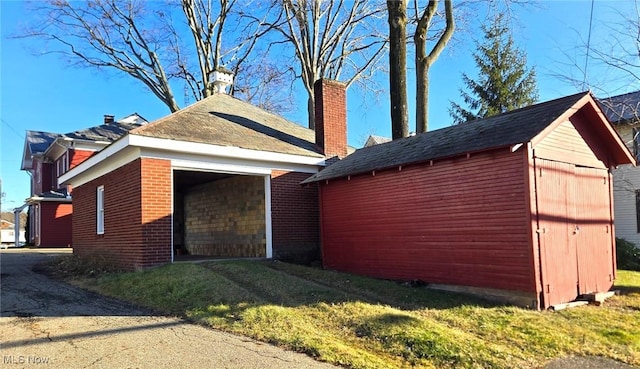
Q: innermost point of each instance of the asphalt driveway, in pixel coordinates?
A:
(46, 323)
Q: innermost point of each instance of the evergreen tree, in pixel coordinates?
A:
(504, 82)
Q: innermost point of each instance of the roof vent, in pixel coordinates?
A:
(108, 119)
(221, 78)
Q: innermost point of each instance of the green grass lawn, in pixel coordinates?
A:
(365, 323)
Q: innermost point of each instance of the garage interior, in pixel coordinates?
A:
(218, 215)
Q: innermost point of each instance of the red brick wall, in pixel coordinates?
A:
(55, 229)
(331, 117)
(137, 220)
(156, 211)
(294, 218)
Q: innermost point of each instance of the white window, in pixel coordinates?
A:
(100, 210)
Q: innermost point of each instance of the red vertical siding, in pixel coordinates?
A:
(294, 217)
(55, 229)
(137, 221)
(461, 221)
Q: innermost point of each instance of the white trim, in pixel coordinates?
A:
(173, 195)
(101, 168)
(33, 199)
(267, 216)
(221, 151)
(94, 160)
(100, 209)
(188, 155)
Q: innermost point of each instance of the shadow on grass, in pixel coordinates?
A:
(627, 290)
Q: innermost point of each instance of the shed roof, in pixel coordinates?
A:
(223, 120)
(517, 126)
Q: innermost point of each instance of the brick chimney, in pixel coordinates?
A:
(331, 117)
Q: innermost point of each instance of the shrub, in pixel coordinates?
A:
(627, 254)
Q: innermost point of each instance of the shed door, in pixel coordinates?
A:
(575, 225)
(593, 219)
(556, 217)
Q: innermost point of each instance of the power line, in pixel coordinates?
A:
(11, 128)
(586, 59)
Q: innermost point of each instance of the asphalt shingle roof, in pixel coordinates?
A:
(622, 108)
(105, 132)
(39, 141)
(506, 129)
(223, 120)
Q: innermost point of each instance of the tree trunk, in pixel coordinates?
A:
(422, 81)
(311, 110)
(424, 61)
(398, 67)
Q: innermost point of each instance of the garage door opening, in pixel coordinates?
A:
(219, 215)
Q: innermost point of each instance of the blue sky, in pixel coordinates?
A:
(41, 92)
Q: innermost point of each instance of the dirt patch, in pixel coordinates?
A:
(69, 266)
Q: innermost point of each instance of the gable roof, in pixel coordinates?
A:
(223, 120)
(375, 140)
(515, 127)
(36, 143)
(622, 108)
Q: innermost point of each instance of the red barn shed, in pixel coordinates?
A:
(517, 205)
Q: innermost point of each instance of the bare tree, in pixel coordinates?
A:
(397, 10)
(425, 60)
(335, 39)
(142, 40)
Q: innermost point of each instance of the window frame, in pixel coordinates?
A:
(100, 210)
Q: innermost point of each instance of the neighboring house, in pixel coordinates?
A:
(624, 112)
(47, 156)
(8, 233)
(375, 140)
(219, 178)
(517, 205)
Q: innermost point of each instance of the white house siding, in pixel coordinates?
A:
(626, 181)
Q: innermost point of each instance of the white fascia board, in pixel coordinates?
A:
(117, 160)
(222, 151)
(187, 155)
(183, 161)
(89, 145)
(83, 169)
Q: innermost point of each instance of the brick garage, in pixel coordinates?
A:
(220, 178)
